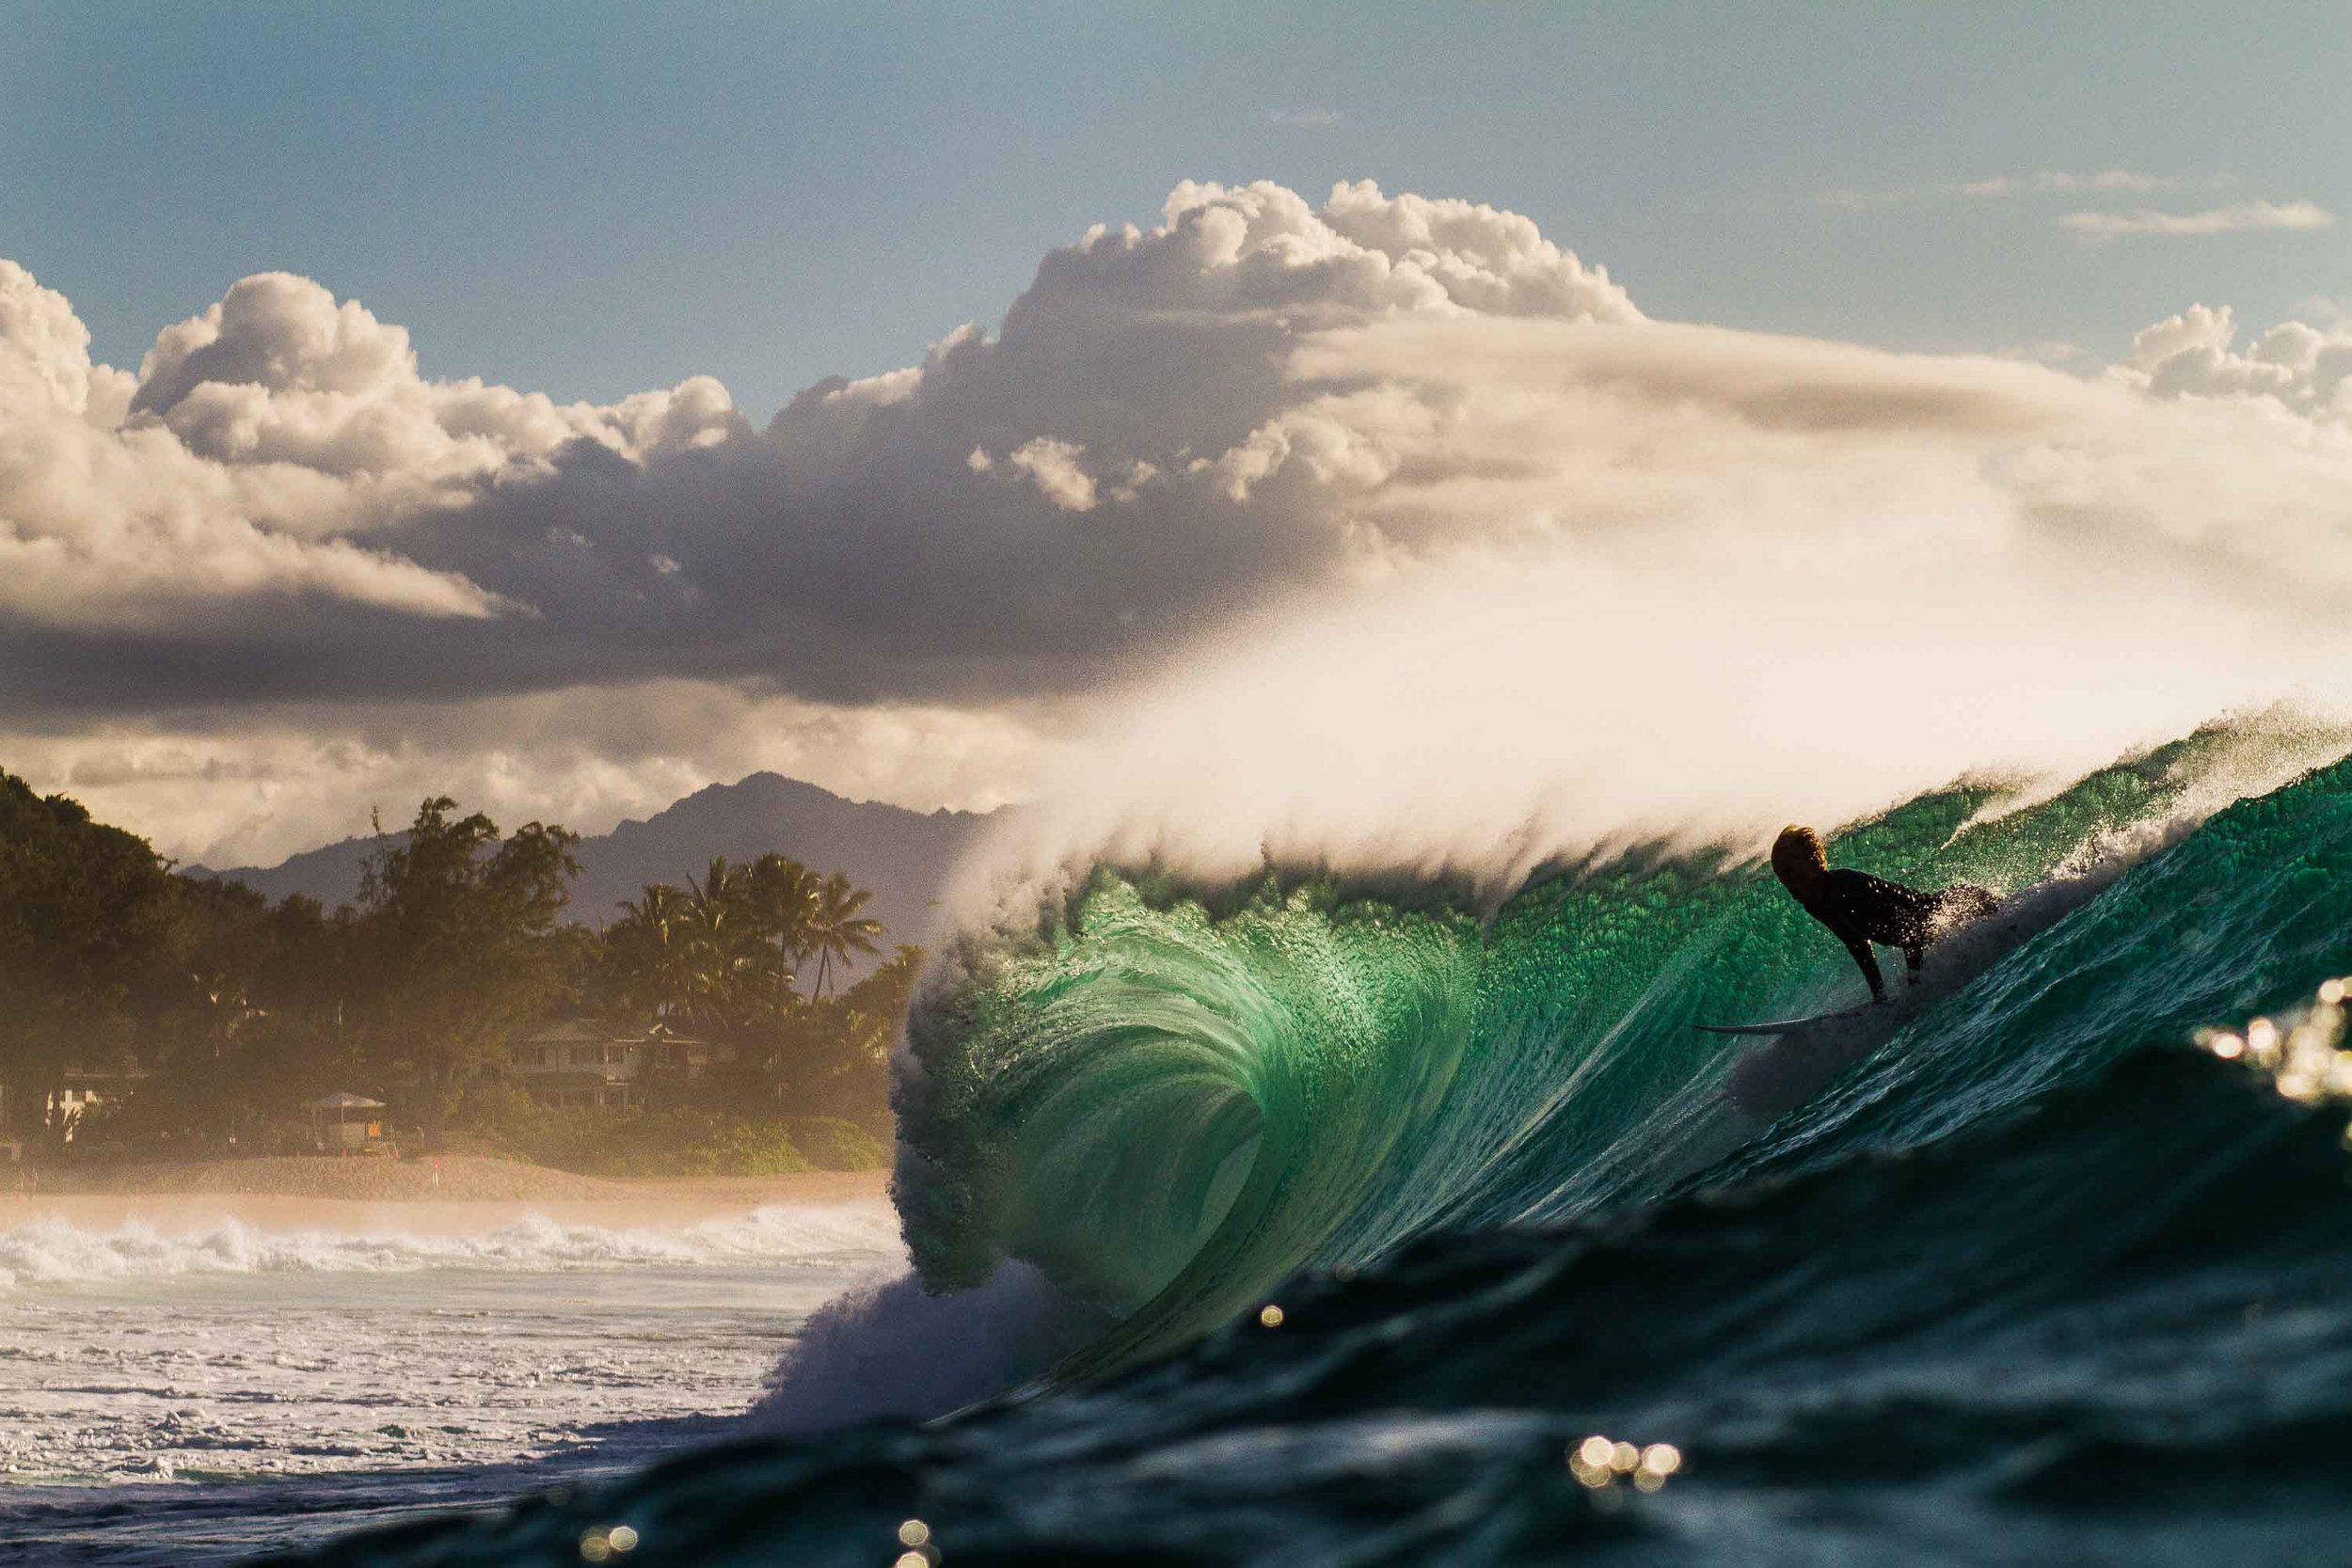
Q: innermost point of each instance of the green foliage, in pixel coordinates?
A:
(835, 932)
(239, 1010)
(460, 929)
(90, 927)
(720, 958)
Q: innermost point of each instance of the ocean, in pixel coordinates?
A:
(191, 1396)
(1364, 1218)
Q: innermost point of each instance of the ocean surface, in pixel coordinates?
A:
(175, 1397)
(1355, 1220)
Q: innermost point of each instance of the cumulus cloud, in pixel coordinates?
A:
(2298, 366)
(1181, 439)
(265, 462)
(281, 446)
(2238, 218)
(281, 371)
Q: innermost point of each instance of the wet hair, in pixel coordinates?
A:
(1798, 858)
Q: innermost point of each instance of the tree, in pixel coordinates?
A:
(645, 953)
(836, 931)
(834, 1055)
(459, 930)
(723, 948)
(783, 896)
(85, 910)
(307, 1039)
(194, 1007)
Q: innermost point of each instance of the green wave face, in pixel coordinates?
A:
(1169, 1097)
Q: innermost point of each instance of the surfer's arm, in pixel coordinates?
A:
(1859, 945)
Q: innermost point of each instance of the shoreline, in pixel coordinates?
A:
(666, 1203)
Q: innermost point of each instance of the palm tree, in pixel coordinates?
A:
(835, 930)
(724, 940)
(782, 895)
(650, 948)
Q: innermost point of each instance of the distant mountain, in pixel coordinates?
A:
(330, 875)
(903, 856)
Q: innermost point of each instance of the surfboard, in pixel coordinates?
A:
(1782, 1026)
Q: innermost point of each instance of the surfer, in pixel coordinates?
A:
(1860, 908)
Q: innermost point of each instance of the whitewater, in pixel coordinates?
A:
(1319, 1215)
(194, 1394)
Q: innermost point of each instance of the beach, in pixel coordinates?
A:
(465, 1196)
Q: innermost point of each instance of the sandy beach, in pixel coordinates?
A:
(368, 1196)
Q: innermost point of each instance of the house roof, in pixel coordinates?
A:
(342, 1101)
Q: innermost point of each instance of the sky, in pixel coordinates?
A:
(590, 200)
(419, 397)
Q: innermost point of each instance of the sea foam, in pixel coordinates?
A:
(51, 1252)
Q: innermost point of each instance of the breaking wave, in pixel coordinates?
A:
(1170, 1096)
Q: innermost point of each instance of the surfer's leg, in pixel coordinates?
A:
(1913, 956)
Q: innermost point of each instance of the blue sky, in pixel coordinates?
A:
(590, 200)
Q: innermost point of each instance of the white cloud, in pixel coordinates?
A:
(2045, 183)
(2239, 217)
(1418, 429)
(2122, 180)
(1053, 467)
(269, 450)
(281, 447)
(2300, 366)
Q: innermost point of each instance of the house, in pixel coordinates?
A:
(585, 1061)
(580, 1061)
(85, 1086)
(679, 1059)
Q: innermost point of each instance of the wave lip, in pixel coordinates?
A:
(54, 1253)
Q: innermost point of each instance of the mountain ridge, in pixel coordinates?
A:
(903, 857)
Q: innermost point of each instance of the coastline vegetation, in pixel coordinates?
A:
(203, 1016)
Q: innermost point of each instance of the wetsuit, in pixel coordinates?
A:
(1860, 908)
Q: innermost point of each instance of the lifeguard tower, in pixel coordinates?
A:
(345, 1124)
